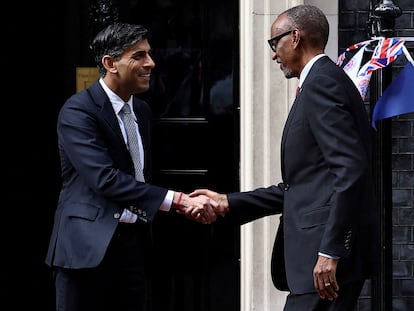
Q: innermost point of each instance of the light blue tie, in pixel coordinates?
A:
(130, 127)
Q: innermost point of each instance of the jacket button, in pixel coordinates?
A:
(286, 187)
(117, 215)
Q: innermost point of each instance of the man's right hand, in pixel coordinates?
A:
(222, 207)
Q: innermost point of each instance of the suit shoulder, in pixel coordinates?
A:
(83, 98)
(327, 69)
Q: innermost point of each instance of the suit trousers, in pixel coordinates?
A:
(347, 298)
(118, 283)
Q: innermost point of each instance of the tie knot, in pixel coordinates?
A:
(126, 109)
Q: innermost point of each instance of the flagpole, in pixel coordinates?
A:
(382, 23)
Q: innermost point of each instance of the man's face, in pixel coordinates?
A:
(282, 43)
(134, 68)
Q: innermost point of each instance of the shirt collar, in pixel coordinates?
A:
(307, 68)
(116, 101)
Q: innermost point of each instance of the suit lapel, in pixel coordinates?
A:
(298, 100)
(286, 131)
(101, 100)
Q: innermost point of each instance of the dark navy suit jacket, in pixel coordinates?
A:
(97, 176)
(326, 200)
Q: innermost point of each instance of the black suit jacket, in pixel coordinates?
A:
(326, 199)
(98, 179)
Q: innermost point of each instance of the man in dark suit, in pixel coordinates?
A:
(98, 246)
(327, 242)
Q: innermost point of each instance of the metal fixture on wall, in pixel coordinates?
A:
(382, 18)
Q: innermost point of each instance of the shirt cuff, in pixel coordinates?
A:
(328, 256)
(166, 204)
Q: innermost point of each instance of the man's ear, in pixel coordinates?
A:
(296, 36)
(109, 63)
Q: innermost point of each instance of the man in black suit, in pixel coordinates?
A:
(327, 242)
(98, 246)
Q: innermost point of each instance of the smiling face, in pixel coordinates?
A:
(130, 74)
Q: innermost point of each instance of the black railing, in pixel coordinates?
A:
(381, 23)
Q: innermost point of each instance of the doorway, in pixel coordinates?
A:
(194, 100)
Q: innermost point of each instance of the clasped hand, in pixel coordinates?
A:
(203, 205)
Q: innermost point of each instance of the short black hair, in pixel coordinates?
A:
(312, 21)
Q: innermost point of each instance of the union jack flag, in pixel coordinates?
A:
(386, 51)
(397, 97)
(355, 46)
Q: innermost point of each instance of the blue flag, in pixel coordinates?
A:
(398, 97)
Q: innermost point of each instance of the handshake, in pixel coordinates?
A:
(201, 205)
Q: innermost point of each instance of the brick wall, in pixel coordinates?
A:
(353, 17)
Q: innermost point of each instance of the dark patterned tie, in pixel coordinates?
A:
(129, 124)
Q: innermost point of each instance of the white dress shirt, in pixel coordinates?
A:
(117, 104)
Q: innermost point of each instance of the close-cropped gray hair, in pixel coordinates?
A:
(114, 40)
(312, 21)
